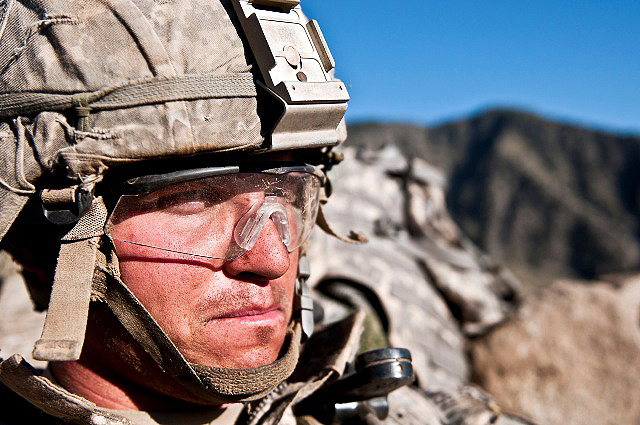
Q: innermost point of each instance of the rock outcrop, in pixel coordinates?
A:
(570, 356)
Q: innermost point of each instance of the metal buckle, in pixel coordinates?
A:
(65, 206)
(303, 303)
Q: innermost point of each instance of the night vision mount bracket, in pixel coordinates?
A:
(297, 68)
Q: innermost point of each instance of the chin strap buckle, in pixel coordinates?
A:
(65, 206)
(303, 301)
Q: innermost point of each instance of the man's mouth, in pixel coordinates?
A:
(255, 313)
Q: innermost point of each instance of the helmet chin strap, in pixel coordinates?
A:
(63, 333)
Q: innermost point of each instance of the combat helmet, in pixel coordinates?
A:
(91, 88)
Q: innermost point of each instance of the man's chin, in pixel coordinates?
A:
(245, 350)
(242, 358)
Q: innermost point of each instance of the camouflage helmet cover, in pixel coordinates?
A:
(153, 79)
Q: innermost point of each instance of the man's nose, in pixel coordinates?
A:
(268, 258)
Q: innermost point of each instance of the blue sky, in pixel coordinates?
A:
(425, 62)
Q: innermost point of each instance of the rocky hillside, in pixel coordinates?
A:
(571, 345)
(545, 198)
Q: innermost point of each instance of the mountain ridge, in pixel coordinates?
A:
(548, 199)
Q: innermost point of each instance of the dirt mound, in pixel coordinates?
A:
(570, 356)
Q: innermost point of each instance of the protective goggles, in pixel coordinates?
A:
(217, 212)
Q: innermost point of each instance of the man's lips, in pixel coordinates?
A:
(255, 312)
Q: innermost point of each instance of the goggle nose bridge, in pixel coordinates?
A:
(250, 226)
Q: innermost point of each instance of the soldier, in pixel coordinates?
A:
(163, 165)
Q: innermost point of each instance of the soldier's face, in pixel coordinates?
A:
(232, 314)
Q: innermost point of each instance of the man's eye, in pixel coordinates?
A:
(184, 203)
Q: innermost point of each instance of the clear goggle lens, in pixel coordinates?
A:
(219, 216)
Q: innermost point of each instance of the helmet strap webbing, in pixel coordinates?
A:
(66, 321)
(216, 385)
